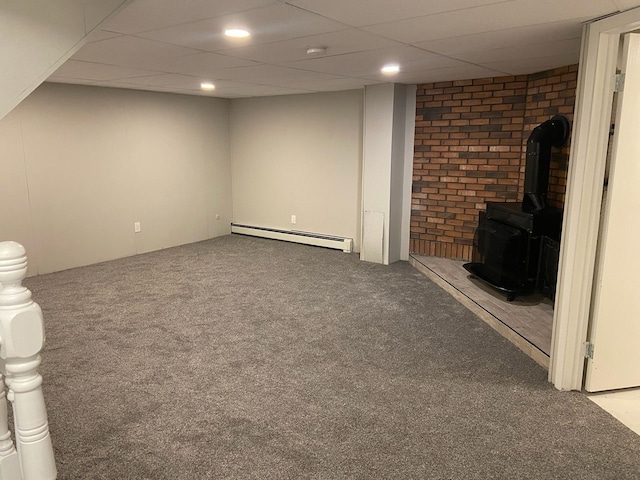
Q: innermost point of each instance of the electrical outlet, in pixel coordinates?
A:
(293, 219)
(136, 227)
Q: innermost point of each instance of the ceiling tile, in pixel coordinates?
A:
(144, 15)
(448, 74)
(567, 48)
(128, 50)
(336, 43)
(96, 12)
(167, 80)
(531, 65)
(99, 35)
(70, 67)
(181, 83)
(367, 63)
(627, 4)
(516, 13)
(334, 85)
(264, 73)
(173, 45)
(203, 64)
(268, 24)
(70, 81)
(370, 12)
(97, 71)
(261, 90)
(533, 34)
(420, 72)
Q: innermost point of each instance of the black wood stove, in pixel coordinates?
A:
(516, 247)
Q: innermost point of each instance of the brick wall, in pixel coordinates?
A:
(551, 93)
(470, 144)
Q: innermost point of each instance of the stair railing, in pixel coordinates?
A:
(21, 341)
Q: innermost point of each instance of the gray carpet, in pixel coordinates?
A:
(249, 358)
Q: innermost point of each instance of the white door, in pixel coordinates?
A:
(615, 319)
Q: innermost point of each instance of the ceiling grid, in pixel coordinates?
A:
(175, 46)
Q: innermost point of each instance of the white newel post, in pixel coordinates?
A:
(21, 340)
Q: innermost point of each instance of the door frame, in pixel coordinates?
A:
(578, 250)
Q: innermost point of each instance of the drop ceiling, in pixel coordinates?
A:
(175, 45)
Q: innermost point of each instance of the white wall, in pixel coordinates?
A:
(299, 155)
(81, 165)
(27, 59)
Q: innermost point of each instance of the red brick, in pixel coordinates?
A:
(474, 152)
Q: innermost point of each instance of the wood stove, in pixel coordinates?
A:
(516, 243)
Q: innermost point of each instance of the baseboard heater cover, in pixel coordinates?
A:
(316, 239)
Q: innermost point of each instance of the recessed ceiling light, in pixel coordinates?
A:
(390, 69)
(316, 50)
(207, 86)
(236, 33)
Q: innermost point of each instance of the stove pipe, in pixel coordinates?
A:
(552, 133)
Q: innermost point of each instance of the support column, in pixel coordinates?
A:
(389, 119)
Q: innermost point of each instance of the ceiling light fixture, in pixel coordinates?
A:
(236, 33)
(390, 69)
(207, 86)
(316, 50)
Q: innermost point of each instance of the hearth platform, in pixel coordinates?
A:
(511, 289)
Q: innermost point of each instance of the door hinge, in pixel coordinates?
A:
(619, 83)
(588, 350)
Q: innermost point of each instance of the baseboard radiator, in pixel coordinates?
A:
(315, 239)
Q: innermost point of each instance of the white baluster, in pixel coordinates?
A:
(9, 463)
(22, 339)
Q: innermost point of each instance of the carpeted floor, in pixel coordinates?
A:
(255, 359)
